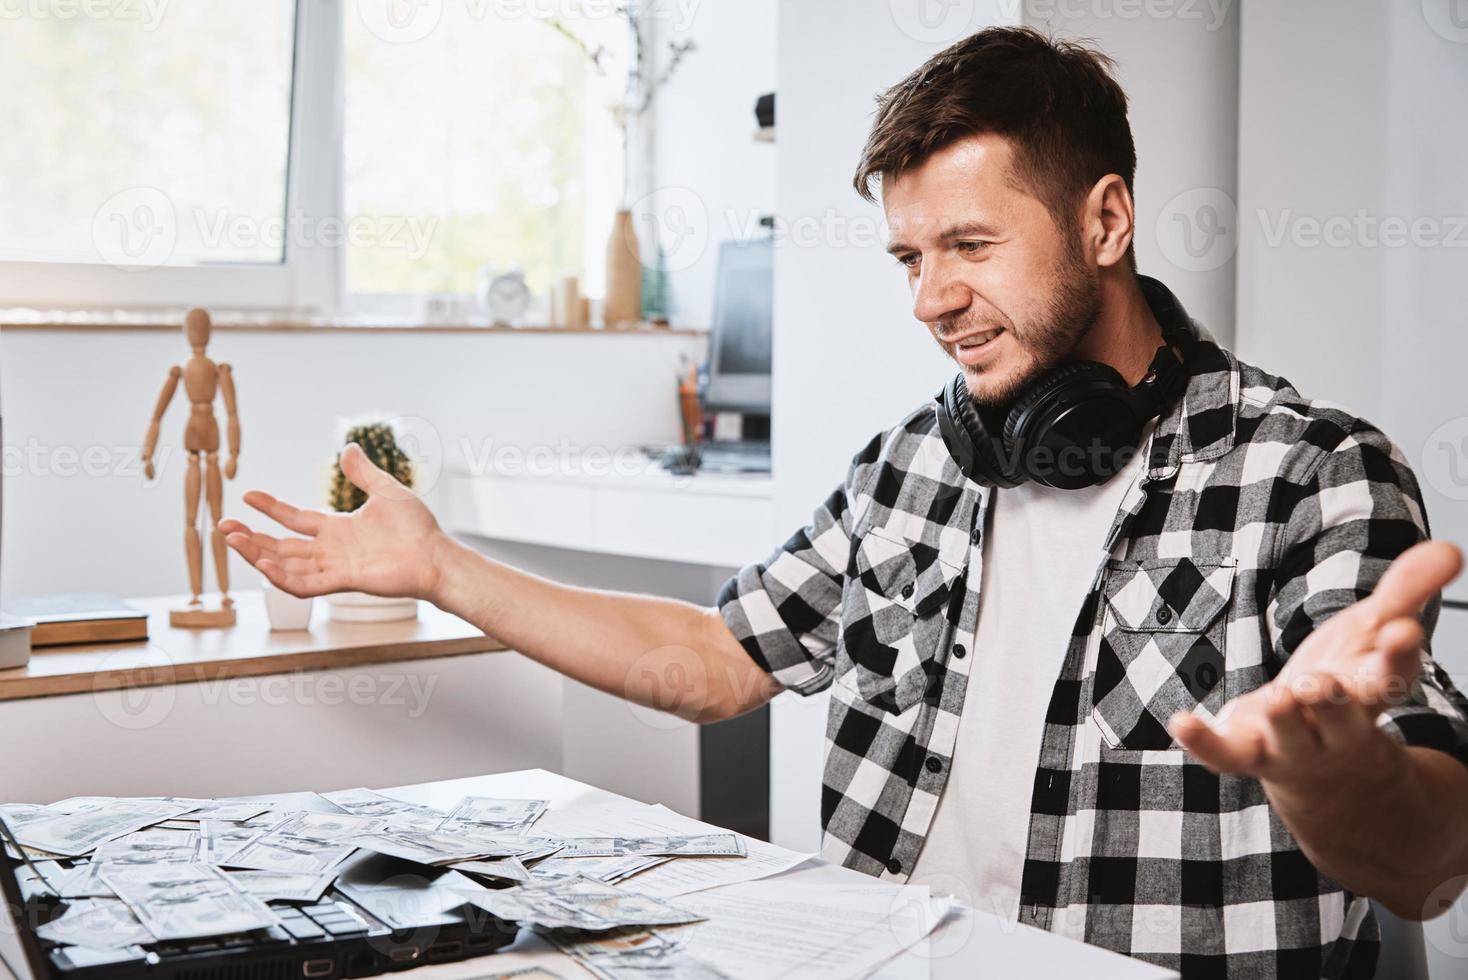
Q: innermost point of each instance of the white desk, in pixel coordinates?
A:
(617, 506)
(974, 944)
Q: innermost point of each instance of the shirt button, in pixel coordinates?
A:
(933, 764)
(959, 651)
(907, 591)
(894, 866)
(977, 534)
(1164, 615)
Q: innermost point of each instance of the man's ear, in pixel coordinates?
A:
(1108, 220)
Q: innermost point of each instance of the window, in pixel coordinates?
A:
(480, 142)
(123, 104)
(312, 155)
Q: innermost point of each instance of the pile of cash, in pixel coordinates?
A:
(134, 871)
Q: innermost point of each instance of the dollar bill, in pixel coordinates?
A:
(79, 833)
(397, 814)
(431, 848)
(579, 903)
(686, 845)
(188, 901)
(19, 814)
(606, 869)
(282, 886)
(101, 923)
(150, 846)
(297, 844)
(231, 810)
(219, 839)
(507, 868)
(493, 814)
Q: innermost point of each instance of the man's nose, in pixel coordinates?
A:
(938, 294)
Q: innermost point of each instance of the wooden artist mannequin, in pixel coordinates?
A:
(202, 379)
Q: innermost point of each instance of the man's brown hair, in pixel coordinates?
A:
(1055, 101)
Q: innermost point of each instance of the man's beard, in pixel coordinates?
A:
(1069, 314)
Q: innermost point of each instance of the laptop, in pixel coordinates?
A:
(382, 914)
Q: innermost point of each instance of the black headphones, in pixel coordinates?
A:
(1076, 426)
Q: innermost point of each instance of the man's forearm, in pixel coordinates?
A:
(661, 653)
(1397, 835)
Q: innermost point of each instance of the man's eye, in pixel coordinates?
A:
(909, 261)
(971, 248)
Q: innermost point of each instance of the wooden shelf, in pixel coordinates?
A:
(248, 649)
(172, 320)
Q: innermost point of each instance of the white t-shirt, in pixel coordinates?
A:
(1041, 550)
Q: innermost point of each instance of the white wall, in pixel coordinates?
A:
(707, 166)
(73, 396)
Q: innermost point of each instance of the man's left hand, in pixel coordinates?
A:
(1317, 720)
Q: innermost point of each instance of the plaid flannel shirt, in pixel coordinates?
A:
(1260, 514)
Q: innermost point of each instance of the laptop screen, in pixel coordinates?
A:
(19, 947)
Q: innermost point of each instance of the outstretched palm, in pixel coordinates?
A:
(384, 547)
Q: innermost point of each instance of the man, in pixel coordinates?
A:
(1034, 597)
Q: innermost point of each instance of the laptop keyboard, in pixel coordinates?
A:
(303, 923)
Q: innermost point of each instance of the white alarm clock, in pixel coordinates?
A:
(503, 296)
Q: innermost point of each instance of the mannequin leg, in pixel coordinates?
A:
(216, 538)
(193, 544)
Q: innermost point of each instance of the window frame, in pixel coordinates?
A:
(306, 278)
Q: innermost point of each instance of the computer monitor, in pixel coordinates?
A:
(739, 345)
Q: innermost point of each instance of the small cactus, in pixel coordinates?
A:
(380, 446)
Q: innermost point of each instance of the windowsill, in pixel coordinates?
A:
(172, 320)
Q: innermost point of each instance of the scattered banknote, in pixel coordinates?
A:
(78, 833)
(687, 845)
(19, 814)
(232, 810)
(84, 881)
(431, 847)
(102, 923)
(188, 901)
(282, 886)
(296, 844)
(494, 814)
(642, 955)
(606, 869)
(508, 868)
(150, 846)
(221, 838)
(579, 903)
(398, 814)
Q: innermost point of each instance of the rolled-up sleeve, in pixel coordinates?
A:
(1360, 509)
(786, 610)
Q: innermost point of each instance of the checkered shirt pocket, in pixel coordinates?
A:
(1162, 647)
(894, 621)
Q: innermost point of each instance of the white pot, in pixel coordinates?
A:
(359, 607)
(285, 611)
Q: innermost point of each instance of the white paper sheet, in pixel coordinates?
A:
(681, 876)
(772, 929)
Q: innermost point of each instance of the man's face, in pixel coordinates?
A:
(1006, 292)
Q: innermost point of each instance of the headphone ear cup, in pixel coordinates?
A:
(970, 439)
(1022, 414)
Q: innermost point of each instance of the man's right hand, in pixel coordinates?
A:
(386, 547)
